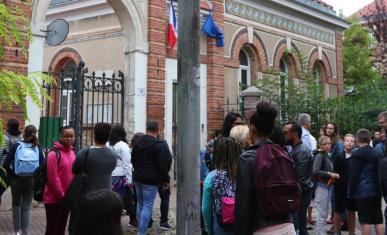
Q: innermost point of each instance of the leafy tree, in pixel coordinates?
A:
(14, 87)
(358, 48)
(376, 22)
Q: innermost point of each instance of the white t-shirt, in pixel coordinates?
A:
(124, 166)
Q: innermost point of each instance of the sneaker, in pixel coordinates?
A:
(165, 226)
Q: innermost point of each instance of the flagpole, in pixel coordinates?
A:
(188, 119)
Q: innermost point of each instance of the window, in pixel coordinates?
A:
(244, 69)
(318, 71)
(66, 101)
(95, 113)
(67, 91)
(283, 89)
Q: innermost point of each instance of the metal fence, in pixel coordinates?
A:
(81, 100)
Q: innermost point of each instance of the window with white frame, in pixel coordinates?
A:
(244, 68)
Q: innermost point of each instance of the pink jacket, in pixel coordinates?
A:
(59, 174)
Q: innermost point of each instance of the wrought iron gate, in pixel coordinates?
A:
(81, 101)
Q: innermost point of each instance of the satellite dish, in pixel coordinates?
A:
(57, 32)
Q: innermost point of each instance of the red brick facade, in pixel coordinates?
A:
(15, 60)
(157, 35)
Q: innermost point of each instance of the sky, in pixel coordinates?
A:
(349, 6)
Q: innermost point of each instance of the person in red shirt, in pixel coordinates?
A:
(59, 175)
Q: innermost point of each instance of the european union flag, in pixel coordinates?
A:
(212, 30)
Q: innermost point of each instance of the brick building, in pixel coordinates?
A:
(131, 36)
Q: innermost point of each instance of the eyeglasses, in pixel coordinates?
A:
(325, 143)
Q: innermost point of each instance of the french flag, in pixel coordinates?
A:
(172, 27)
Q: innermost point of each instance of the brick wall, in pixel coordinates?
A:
(215, 74)
(339, 63)
(157, 34)
(15, 60)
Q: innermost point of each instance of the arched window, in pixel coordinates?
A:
(318, 71)
(66, 97)
(283, 88)
(244, 68)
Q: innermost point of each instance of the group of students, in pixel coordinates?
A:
(108, 168)
(334, 175)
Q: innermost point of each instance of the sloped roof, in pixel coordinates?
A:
(370, 9)
(323, 3)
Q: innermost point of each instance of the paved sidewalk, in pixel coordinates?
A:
(38, 219)
(38, 223)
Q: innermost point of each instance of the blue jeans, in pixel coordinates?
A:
(146, 195)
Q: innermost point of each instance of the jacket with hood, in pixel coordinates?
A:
(151, 161)
(363, 171)
(59, 174)
(247, 216)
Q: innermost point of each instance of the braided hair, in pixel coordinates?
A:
(226, 154)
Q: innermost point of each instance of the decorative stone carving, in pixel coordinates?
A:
(263, 17)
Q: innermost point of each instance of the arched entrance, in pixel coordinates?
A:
(134, 28)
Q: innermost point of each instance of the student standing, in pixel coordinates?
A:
(248, 217)
(59, 163)
(340, 166)
(99, 165)
(324, 175)
(219, 184)
(150, 161)
(363, 184)
(122, 182)
(22, 180)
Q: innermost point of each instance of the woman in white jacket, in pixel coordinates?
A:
(122, 174)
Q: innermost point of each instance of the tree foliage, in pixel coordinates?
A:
(377, 23)
(358, 47)
(356, 109)
(15, 87)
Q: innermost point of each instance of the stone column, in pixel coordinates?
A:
(251, 97)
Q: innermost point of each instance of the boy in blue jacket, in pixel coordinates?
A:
(363, 184)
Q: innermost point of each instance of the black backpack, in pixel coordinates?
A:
(40, 177)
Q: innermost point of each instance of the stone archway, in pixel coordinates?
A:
(323, 65)
(134, 28)
(255, 47)
(291, 57)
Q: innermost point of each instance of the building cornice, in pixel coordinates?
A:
(77, 10)
(312, 12)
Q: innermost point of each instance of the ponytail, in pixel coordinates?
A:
(29, 135)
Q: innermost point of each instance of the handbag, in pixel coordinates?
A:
(78, 187)
(4, 180)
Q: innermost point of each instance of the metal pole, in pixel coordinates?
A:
(188, 119)
(76, 109)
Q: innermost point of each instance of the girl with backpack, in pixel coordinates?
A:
(219, 188)
(59, 164)
(12, 136)
(251, 215)
(122, 182)
(22, 161)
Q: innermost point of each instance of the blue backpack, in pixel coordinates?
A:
(26, 159)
